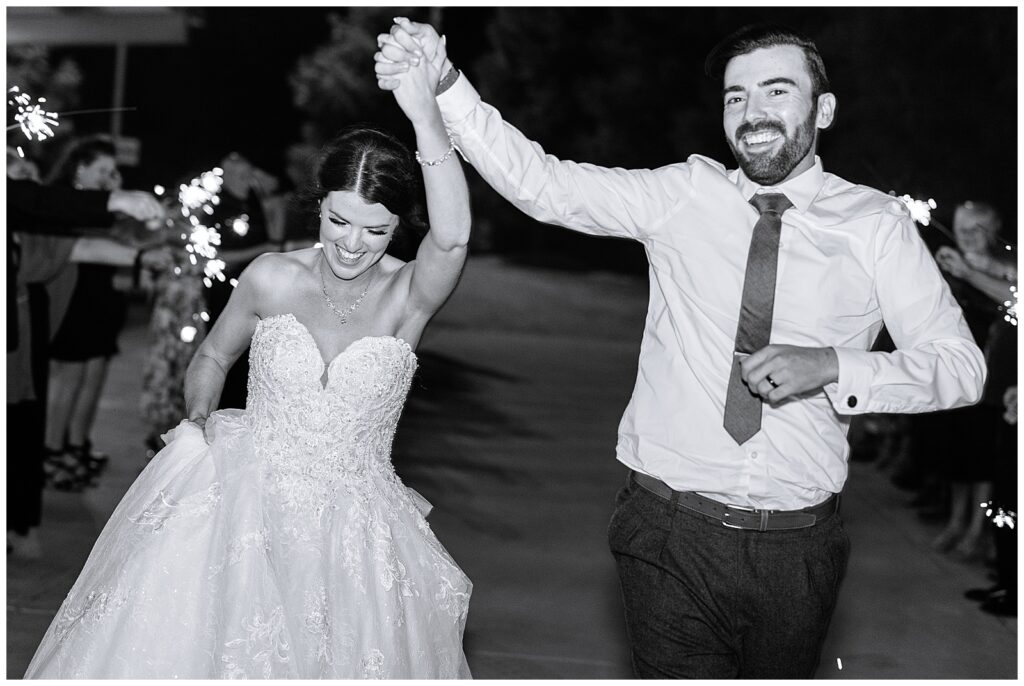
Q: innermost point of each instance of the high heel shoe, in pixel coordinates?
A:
(94, 461)
(64, 472)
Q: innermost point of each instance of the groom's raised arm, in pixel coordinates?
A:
(583, 197)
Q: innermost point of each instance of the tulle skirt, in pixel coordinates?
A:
(202, 572)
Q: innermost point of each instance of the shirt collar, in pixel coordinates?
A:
(801, 190)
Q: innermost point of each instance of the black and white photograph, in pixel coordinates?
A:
(497, 342)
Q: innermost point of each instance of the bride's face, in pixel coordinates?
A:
(354, 233)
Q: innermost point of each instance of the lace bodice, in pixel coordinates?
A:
(315, 436)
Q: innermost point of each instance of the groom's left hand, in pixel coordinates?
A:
(792, 370)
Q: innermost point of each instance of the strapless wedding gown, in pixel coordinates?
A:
(285, 548)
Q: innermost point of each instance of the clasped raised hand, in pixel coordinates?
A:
(407, 46)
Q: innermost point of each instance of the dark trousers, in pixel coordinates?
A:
(26, 427)
(707, 602)
(26, 423)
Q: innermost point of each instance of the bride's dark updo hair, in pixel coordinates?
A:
(379, 168)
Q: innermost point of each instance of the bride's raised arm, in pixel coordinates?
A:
(442, 253)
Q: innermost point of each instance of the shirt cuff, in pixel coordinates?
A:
(850, 394)
(458, 101)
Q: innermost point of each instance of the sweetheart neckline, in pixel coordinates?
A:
(319, 353)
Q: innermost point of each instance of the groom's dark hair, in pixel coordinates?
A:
(757, 36)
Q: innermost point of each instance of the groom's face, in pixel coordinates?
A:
(770, 115)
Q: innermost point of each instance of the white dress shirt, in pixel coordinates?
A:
(850, 258)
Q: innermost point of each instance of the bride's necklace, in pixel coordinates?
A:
(343, 314)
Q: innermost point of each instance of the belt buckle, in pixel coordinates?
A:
(752, 510)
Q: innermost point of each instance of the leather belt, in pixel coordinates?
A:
(735, 516)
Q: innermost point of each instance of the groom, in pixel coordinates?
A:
(769, 284)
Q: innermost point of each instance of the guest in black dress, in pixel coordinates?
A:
(86, 338)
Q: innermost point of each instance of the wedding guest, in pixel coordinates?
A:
(768, 288)
(86, 337)
(982, 262)
(53, 210)
(40, 259)
(960, 443)
(291, 217)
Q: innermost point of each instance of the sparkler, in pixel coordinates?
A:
(1011, 307)
(920, 210)
(214, 269)
(921, 213)
(196, 200)
(201, 193)
(32, 118)
(999, 516)
(204, 241)
(240, 224)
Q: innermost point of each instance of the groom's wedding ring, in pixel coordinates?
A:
(771, 381)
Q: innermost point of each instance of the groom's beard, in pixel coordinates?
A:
(768, 169)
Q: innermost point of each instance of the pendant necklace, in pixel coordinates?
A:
(343, 314)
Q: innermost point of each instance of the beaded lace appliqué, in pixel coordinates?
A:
(318, 439)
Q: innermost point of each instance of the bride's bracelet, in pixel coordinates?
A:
(440, 160)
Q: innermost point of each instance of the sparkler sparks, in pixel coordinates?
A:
(197, 199)
(920, 210)
(201, 192)
(240, 224)
(999, 516)
(214, 269)
(204, 241)
(1011, 307)
(32, 118)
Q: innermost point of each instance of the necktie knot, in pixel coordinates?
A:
(771, 202)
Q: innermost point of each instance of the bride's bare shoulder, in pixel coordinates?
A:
(278, 265)
(279, 270)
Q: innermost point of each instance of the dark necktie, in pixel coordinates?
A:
(743, 408)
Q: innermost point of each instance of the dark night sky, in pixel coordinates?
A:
(927, 96)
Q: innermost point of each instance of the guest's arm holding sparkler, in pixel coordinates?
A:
(443, 251)
(53, 209)
(951, 261)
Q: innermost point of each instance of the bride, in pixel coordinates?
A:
(277, 541)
